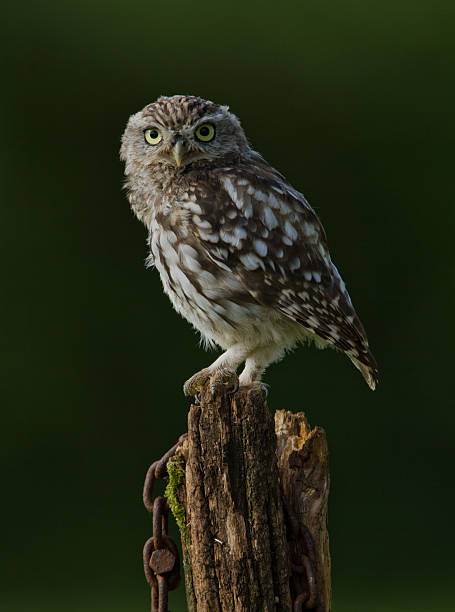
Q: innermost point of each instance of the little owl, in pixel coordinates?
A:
(241, 254)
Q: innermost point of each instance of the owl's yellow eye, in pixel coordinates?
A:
(153, 136)
(205, 132)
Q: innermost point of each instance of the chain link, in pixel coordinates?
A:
(160, 555)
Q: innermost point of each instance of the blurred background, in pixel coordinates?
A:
(354, 102)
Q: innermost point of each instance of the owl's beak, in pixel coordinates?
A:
(179, 152)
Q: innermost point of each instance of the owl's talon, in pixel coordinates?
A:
(223, 380)
(235, 388)
(194, 385)
(265, 388)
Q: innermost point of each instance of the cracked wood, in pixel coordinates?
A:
(238, 551)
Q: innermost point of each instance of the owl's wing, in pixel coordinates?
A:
(269, 237)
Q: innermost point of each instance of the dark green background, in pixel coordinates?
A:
(354, 102)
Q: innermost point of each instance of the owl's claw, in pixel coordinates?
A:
(265, 388)
(235, 388)
(221, 380)
(193, 385)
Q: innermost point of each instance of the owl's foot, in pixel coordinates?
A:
(265, 388)
(258, 384)
(193, 385)
(222, 380)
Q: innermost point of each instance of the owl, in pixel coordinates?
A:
(241, 254)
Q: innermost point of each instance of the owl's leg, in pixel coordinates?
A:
(256, 363)
(221, 373)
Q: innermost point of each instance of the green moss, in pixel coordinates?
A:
(176, 472)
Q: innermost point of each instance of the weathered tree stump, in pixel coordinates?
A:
(304, 475)
(230, 512)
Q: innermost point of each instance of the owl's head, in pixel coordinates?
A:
(180, 130)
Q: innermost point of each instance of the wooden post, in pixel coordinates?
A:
(236, 554)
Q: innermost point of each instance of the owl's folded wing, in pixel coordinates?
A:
(269, 237)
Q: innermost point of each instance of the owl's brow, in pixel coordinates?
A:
(209, 117)
(155, 124)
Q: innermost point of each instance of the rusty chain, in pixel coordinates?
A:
(304, 586)
(160, 555)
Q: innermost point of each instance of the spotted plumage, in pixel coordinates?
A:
(241, 254)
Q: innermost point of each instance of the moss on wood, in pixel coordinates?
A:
(176, 472)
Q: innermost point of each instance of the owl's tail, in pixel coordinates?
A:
(368, 368)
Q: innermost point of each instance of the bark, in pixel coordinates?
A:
(237, 555)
